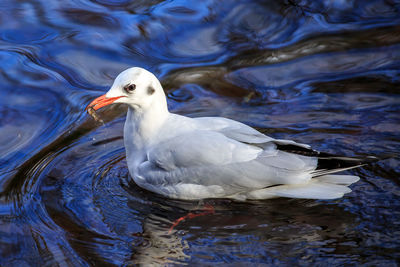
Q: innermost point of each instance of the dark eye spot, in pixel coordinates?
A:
(150, 90)
(129, 88)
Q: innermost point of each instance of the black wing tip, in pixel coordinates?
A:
(299, 150)
(309, 152)
(330, 163)
(372, 159)
(333, 164)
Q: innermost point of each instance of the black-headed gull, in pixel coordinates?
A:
(215, 157)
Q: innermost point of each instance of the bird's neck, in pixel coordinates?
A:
(142, 125)
(139, 132)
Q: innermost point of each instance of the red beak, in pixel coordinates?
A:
(101, 102)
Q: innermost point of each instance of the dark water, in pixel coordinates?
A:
(326, 73)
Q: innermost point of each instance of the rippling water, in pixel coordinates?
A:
(326, 73)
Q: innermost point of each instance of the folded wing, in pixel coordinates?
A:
(200, 148)
(218, 157)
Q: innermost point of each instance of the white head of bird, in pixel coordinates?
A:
(136, 87)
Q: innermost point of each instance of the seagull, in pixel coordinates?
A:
(215, 157)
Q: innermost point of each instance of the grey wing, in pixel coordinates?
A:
(325, 163)
(197, 164)
(241, 132)
(223, 163)
(225, 158)
(200, 148)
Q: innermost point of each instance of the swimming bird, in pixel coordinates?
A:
(215, 157)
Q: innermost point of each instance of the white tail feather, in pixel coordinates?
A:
(324, 187)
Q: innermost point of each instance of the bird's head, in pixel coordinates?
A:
(136, 87)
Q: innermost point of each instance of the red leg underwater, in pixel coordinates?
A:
(208, 209)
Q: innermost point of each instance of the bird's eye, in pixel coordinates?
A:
(130, 88)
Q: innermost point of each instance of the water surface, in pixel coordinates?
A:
(326, 73)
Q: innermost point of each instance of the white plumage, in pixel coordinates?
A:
(214, 157)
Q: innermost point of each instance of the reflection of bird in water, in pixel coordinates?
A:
(241, 229)
(158, 247)
(214, 157)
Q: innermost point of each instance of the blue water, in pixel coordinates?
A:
(326, 73)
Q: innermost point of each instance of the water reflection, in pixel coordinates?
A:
(320, 72)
